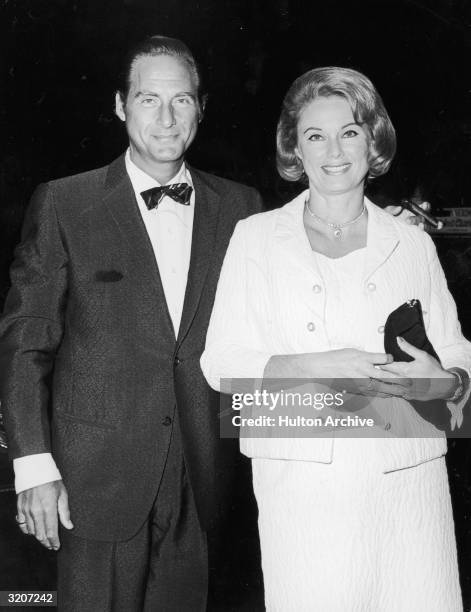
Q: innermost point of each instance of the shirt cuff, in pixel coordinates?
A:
(34, 470)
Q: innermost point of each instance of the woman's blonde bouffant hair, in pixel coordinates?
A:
(367, 107)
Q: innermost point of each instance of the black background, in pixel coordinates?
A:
(59, 62)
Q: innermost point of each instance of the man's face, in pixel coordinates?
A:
(161, 113)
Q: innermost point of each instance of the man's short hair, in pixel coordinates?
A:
(154, 46)
(367, 107)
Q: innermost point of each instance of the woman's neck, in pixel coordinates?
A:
(336, 208)
(336, 224)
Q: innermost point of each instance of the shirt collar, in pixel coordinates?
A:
(141, 181)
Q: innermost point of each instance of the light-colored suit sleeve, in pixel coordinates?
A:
(34, 470)
(444, 329)
(233, 326)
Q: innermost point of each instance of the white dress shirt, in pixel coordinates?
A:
(169, 227)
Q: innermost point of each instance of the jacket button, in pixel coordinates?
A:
(167, 421)
(317, 288)
(381, 329)
(371, 287)
(177, 361)
(387, 427)
(310, 326)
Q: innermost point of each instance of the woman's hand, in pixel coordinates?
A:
(423, 378)
(350, 370)
(358, 372)
(348, 363)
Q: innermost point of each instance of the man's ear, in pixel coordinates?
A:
(119, 107)
(202, 106)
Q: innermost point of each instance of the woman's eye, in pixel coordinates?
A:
(350, 134)
(314, 137)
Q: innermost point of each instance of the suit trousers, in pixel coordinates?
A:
(163, 568)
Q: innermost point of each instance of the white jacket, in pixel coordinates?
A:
(271, 298)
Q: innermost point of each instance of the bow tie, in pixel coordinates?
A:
(180, 192)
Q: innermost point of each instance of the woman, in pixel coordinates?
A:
(345, 524)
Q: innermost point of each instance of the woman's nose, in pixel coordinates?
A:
(335, 148)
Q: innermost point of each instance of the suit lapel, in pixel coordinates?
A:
(291, 239)
(207, 206)
(382, 238)
(121, 203)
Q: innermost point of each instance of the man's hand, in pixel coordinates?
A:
(408, 217)
(39, 509)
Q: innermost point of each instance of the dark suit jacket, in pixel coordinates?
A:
(90, 367)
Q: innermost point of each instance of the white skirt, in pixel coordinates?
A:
(345, 537)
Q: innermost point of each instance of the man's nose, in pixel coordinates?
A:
(166, 115)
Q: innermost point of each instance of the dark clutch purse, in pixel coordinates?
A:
(408, 321)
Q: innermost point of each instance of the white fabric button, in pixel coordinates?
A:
(310, 326)
(317, 288)
(381, 329)
(371, 287)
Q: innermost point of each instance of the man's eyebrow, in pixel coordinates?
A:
(185, 93)
(145, 93)
(156, 95)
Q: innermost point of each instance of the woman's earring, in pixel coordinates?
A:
(300, 164)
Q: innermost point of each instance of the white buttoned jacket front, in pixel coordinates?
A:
(271, 300)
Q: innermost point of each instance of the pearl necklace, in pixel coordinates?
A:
(337, 227)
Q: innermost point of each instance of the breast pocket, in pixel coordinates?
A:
(108, 276)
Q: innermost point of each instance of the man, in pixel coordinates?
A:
(112, 289)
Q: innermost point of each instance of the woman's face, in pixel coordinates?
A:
(332, 146)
